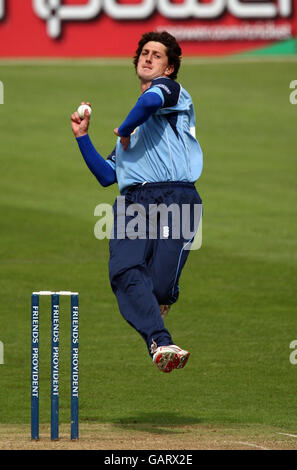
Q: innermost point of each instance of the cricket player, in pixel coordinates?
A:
(156, 161)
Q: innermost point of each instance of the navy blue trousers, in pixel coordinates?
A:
(148, 252)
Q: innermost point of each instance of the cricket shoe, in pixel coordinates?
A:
(164, 309)
(170, 357)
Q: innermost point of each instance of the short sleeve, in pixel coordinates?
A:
(169, 89)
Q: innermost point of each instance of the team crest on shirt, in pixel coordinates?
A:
(165, 231)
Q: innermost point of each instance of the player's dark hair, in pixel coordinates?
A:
(173, 49)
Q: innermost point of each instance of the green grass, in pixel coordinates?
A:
(237, 308)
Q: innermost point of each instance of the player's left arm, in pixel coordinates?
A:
(146, 105)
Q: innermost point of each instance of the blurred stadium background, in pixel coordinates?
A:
(237, 309)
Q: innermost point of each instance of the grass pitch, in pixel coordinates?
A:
(237, 308)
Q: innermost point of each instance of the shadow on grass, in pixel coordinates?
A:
(156, 423)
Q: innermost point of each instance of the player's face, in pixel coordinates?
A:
(153, 62)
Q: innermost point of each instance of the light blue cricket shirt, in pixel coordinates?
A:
(163, 148)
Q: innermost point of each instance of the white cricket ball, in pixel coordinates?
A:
(81, 110)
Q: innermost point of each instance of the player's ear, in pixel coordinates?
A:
(169, 70)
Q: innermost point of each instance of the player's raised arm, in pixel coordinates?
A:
(101, 169)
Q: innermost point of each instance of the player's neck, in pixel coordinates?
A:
(144, 86)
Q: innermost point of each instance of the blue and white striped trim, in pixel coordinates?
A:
(179, 260)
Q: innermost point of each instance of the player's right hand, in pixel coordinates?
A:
(80, 126)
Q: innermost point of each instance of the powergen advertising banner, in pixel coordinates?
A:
(101, 28)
